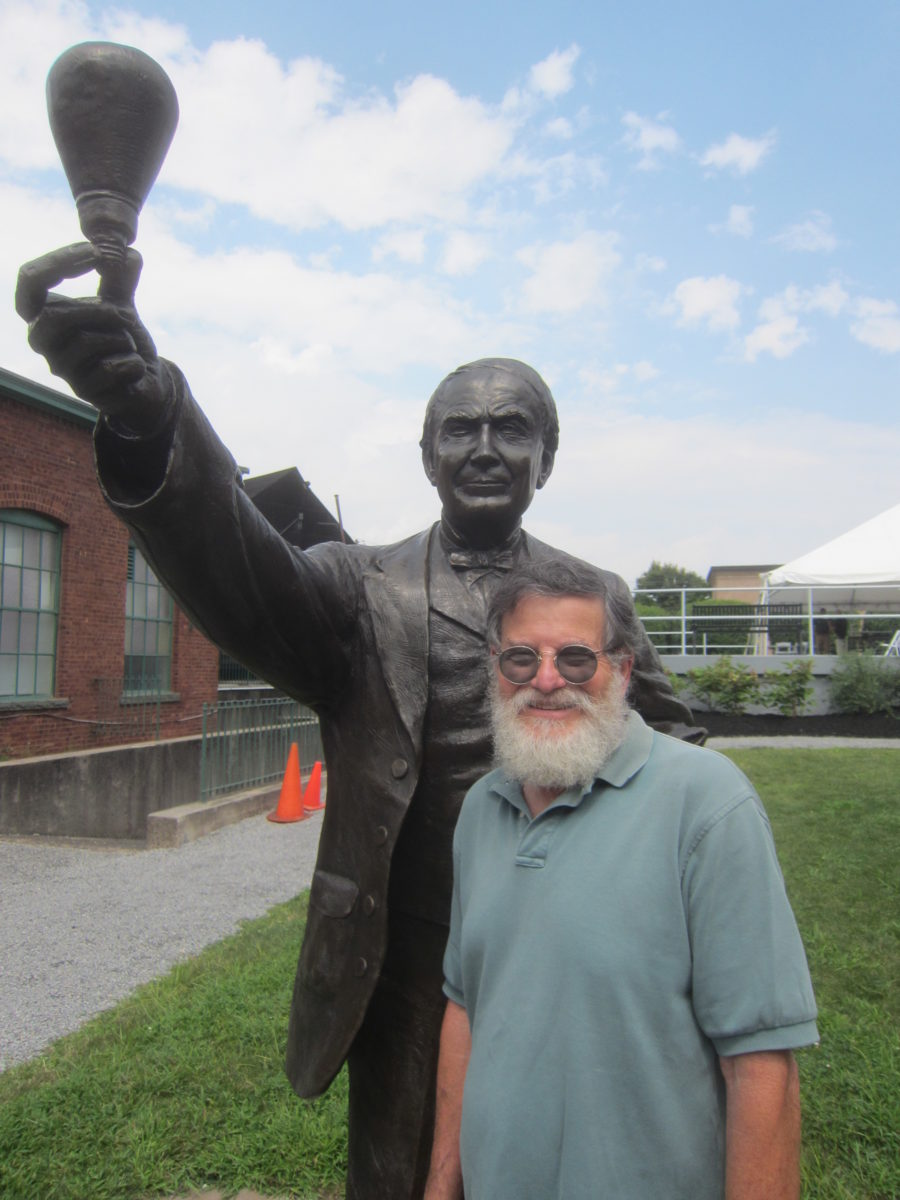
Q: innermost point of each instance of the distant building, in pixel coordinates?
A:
(747, 579)
(92, 650)
(288, 502)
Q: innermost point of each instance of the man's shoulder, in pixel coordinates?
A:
(688, 755)
(697, 771)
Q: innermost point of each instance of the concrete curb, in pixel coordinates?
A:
(168, 828)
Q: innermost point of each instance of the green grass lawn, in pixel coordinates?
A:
(836, 817)
(181, 1086)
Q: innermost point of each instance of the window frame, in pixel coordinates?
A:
(149, 614)
(42, 614)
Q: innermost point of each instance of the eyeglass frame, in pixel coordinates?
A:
(614, 658)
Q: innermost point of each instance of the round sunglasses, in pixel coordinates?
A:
(576, 664)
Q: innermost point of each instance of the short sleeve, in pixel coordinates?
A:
(750, 979)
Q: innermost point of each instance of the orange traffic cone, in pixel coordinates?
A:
(312, 797)
(290, 804)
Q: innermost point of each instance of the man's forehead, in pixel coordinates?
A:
(553, 615)
(471, 393)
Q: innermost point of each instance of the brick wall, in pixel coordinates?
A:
(46, 466)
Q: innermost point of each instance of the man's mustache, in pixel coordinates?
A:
(528, 697)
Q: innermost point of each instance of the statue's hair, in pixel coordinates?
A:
(558, 577)
(523, 374)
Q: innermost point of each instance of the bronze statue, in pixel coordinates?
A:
(387, 644)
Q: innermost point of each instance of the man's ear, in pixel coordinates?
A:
(428, 463)
(548, 457)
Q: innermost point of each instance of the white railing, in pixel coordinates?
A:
(806, 621)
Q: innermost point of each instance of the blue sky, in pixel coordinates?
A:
(684, 216)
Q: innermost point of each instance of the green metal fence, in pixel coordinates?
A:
(245, 743)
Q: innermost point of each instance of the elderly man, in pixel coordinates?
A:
(624, 975)
(386, 643)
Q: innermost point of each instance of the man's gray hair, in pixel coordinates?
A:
(558, 577)
(522, 374)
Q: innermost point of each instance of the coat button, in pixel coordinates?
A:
(381, 835)
(368, 905)
(399, 767)
(360, 967)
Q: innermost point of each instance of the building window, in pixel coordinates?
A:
(29, 604)
(148, 628)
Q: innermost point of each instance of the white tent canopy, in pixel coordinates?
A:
(859, 568)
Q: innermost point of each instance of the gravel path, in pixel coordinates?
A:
(82, 925)
(804, 743)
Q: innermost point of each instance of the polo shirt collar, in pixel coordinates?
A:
(624, 763)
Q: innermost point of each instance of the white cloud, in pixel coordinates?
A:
(464, 253)
(877, 324)
(288, 142)
(649, 263)
(31, 37)
(567, 276)
(608, 382)
(560, 128)
(779, 335)
(705, 300)
(813, 236)
(358, 163)
(739, 221)
(828, 298)
(553, 76)
(739, 154)
(649, 138)
(779, 331)
(554, 176)
(644, 371)
(407, 245)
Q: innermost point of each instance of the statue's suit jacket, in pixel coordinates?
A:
(342, 628)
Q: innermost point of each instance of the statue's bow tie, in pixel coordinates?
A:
(491, 560)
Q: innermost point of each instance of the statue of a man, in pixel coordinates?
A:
(387, 644)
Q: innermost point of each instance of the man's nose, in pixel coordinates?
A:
(548, 678)
(484, 449)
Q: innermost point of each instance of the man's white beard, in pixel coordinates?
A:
(542, 752)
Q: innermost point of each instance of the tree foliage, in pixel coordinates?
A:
(669, 575)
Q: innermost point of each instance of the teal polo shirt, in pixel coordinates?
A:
(607, 952)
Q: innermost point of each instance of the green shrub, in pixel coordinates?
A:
(790, 690)
(862, 683)
(725, 686)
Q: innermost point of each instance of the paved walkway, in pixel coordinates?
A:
(808, 743)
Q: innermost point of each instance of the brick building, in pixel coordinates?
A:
(92, 650)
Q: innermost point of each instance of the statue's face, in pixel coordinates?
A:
(487, 455)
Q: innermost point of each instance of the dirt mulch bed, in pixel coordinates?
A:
(773, 725)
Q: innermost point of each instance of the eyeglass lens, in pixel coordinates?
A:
(576, 664)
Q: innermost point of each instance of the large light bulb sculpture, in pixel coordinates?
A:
(113, 112)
